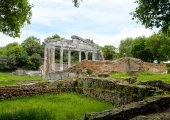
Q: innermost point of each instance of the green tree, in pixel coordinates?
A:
(32, 45)
(18, 51)
(76, 2)
(13, 15)
(53, 37)
(139, 50)
(34, 61)
(14, 49)
(48, 39)
(7, 63)
(125, 47)
(109, 52)
(2, 50)
(153, 13)
(159, 46)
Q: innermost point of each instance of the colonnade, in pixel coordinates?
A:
(49, 58)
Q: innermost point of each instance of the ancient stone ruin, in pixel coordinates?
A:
(75, 44)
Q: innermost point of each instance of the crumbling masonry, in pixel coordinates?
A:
(76, 44)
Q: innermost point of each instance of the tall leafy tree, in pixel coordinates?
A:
(14, 49)
(153, 13)
(13, 15)
(139, 50)
(32, 45)
(109, 52)
(159, 46)
(125, 47)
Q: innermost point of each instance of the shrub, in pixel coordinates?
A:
(168, 69)
(7, 63)
(89, 72)
(34, 61)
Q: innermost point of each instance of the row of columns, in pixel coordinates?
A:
(49, 61)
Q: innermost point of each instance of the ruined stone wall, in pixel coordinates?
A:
(105, 89)
(129, 111)
(108, 90)
(111, 84)
(123, 65)
(113, 91)
(37, 89)
(63, 75)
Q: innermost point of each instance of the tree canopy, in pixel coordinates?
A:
(125, 47)
(153, 13)
(13, 15)
(32, 45)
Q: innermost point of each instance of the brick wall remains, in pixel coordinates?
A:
(122, 65)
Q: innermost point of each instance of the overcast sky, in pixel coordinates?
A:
(106, 22)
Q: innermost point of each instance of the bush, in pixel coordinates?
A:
(8, 63)
(168, 69)
(89, 72)
(168, 64)
(34, 61)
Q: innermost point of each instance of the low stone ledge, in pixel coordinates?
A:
(115, 97)
(157, 83)
(126, 112)
(37, 89)
(110, 84)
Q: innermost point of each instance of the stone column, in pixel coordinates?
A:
(79, 56)
(53, 59)
(45, 62)
(69, 58)
(86, 55)
(93, 56)
(61, 59)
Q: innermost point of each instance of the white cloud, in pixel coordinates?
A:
(106, 22)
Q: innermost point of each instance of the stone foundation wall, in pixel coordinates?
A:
(129, 111)
(113, 85)
(123, 65)
(104, 89)
(63, 75)
(109, 96)
(37, 89)
(108, 90)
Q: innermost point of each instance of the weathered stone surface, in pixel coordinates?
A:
(37, 88)
(63, 75)
(157, 83)
(129, 111)
(162, 115)
(109, 96)
(27, 73)
(131, 80)
(110, 84)
(76, 44)
(123, 65)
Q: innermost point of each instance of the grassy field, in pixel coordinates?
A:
(66, 106)
(145, 76)
(10, 79)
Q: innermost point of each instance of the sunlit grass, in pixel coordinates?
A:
(66, 106)
(144, 76)
(9, 76)
(11, 79)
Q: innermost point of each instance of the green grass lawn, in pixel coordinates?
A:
(9, 76)
(10, 79)
(65, 106)
(145, 76)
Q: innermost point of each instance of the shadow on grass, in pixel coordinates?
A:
(28, 114)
